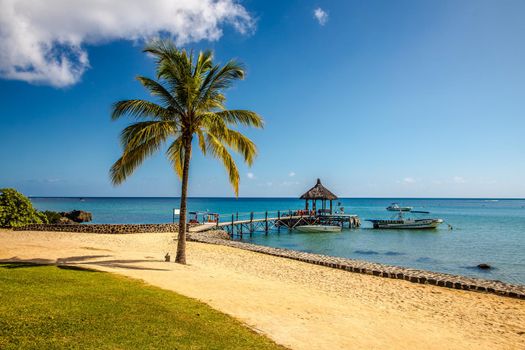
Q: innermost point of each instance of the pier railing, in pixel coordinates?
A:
(240, 223)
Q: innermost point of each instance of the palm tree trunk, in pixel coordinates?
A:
(181, 244)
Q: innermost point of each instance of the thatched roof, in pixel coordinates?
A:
(318, 192)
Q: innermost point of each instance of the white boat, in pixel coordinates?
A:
(318, 228)
(397, 207)
(406, 223)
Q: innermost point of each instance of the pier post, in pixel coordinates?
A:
(232, 225)
(289, 219)
(279, 221)
(251, 223)
(237, 217)
(266, 222)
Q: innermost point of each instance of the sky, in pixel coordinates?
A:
(377, 98)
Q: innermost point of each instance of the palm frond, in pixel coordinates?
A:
(156, 89)
(241, 116)
(219, 151)
(132, 159)
(241, 144)
(204, 63)
(202, 141)
(137, 133)
(175, 154)
(140, 109)
(218, 79)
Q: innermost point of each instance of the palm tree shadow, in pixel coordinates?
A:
(17, 263)
(124, 264)
(80, 258)
(73, 262)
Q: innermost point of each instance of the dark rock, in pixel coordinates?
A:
(484, 266)
(78, 216)
(66, 221)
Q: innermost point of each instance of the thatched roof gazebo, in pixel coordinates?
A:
(318, 192)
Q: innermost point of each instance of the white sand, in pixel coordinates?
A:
(299, 305)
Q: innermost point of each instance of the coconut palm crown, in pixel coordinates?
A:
(189, 109)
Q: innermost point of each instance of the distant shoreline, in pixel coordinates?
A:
(262, 198)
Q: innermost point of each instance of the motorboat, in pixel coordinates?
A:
(406, 223)
(318, 228)
(397, 207)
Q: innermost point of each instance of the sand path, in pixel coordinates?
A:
(299, 305)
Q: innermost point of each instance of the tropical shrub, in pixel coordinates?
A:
(17, 210)
(51, 217)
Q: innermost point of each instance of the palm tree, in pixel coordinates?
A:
(190, 109)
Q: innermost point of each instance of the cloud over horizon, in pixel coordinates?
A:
(43, 42)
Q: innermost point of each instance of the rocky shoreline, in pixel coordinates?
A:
(102, 228)
(370, 268)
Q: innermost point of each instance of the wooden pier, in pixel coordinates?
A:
(287, 220)
(275, 221)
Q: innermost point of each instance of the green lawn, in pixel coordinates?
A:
(47, 307)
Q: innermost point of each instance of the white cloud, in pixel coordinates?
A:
(250, 176)
(459, 180)
(321, 16)
(45, 41)
(289, 183)
(409, 180)
(291, 174)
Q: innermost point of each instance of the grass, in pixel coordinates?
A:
(47, 307)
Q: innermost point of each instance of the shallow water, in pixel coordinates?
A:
(484, 230)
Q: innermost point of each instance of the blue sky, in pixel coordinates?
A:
(377, 98)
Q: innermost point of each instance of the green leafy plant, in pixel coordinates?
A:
(51, 217)
(17, 210)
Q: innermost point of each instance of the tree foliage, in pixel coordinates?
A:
(17, 210)
(189, 108)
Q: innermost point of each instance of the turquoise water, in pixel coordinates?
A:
(484, 230)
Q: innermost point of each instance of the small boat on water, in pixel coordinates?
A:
(397, 207)
(318, 228)
(406, 223)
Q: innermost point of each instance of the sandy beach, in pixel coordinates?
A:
(299, 305)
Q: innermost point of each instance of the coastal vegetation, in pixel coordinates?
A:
(43, 307)
(190, 108)
(17, 210)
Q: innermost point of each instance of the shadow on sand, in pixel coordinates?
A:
(73, 262)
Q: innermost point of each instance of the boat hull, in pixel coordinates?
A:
(421, 224)
(318, 228)
(399, 209)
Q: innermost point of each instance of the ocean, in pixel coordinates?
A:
(488, 231)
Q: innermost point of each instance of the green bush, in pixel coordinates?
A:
(17, 210)
(51, 217)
